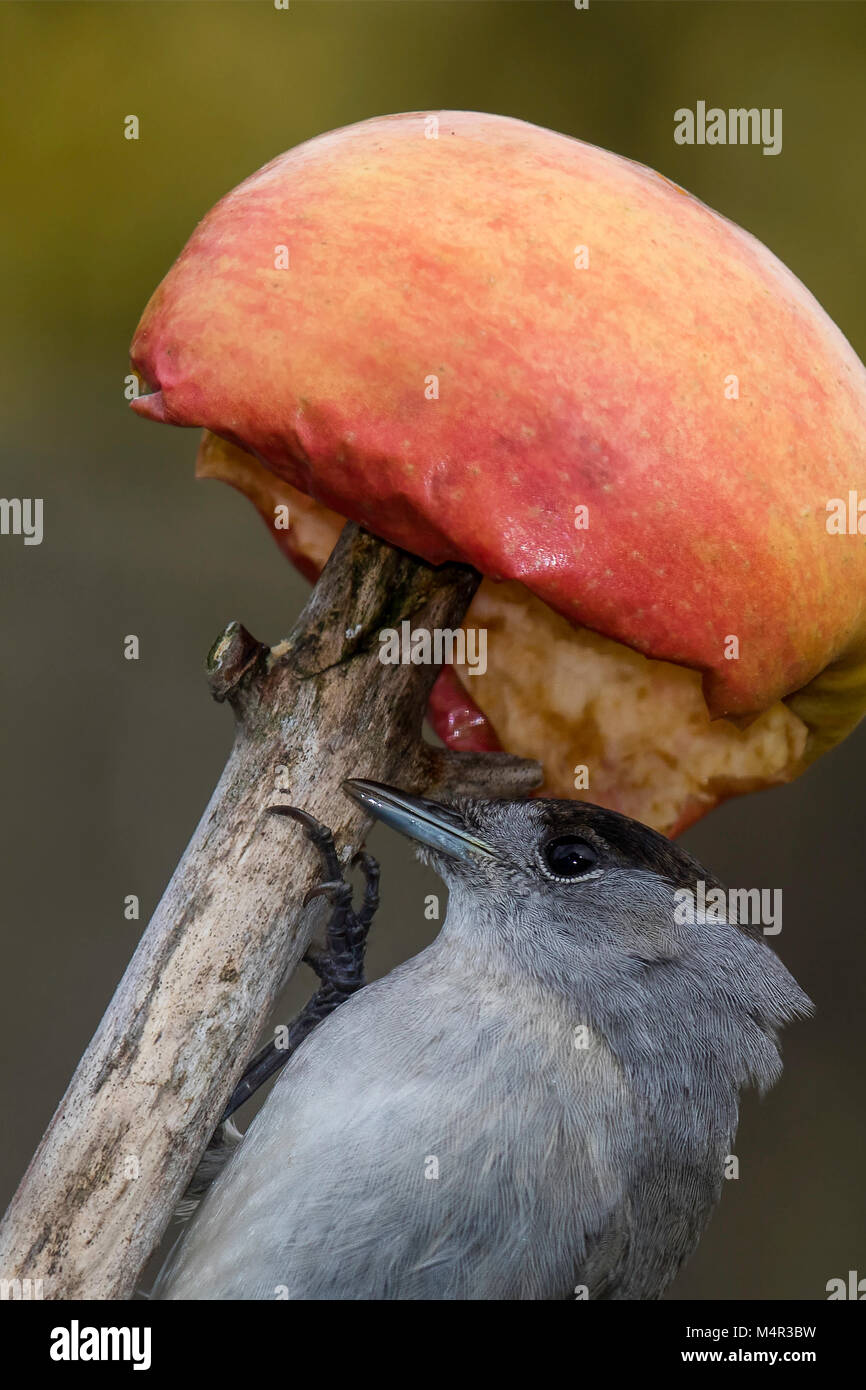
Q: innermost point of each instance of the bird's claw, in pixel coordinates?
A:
(340, 967)
(341, 891)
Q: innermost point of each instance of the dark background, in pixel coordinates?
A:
(107, 764)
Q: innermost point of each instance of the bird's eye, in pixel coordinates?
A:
(567, 856)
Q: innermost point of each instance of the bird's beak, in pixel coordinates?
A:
(438, 827)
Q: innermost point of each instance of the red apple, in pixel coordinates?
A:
(492, 343)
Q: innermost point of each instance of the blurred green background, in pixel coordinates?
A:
(107, 764)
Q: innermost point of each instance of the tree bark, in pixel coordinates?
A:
(230, 928)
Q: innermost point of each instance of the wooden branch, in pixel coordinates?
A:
(186, 1016)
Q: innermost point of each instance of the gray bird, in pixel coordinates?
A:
(538, 1106)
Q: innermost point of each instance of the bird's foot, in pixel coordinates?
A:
(340, 966)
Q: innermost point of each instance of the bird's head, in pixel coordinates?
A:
(608, 913)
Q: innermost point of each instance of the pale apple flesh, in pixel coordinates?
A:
(607, 724)
(613, 726)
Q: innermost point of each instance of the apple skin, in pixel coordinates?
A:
(414, 258)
